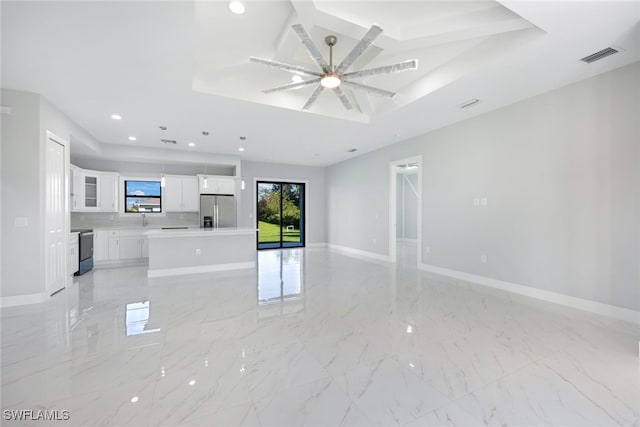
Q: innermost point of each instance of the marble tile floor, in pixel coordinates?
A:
(312, 337)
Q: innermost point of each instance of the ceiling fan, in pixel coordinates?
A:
(330, 76)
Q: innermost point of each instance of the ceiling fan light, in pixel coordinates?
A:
(330, 81)
(236, 7)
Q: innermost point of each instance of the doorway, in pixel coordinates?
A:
(405, 211)
(280, 208)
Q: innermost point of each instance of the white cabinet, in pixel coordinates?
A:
(74, 256)
(190, 194)
(130, 247)
(216, 185)
(108, 194)
(77, 188)
(226, 186)
(100, 245)
(116, 245)
(180, 194)
(93, 191)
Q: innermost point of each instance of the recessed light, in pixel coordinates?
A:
(296, 78)
(132, 138)
(205, 133)
(241, 149)
(163, 127)
(192, 144)
(236, 7)
(134, 399)
(116, 117)
(192, 382)
(243, 138)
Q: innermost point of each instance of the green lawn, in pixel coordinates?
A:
(270, 233)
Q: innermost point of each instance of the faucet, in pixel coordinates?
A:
(145, 221)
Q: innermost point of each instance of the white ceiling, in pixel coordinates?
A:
(185, 66)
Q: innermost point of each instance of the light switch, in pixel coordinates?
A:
(21, 221)
(483, 201)
(476, 202)
(483, 259)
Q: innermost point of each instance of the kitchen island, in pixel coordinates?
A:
(200, 250)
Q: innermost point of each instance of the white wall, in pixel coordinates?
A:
(22, 251)
(23, 186)
(317, 196)
(561, 172)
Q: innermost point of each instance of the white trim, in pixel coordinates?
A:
(317, 245)
(393, 176)
(15, 300)
(200, 269)
(619, 313)
(407, 239)
(120, 263)
(358, 253)
(285, 180)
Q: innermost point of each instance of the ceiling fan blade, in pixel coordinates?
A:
(311, 47)
(371, 89)
(285, 67)
(313, 97)
(401, 66)
(292, 86)
(359, 49)
(343, 98)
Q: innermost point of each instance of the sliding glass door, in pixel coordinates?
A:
(280, 216)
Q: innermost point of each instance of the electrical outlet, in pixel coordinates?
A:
(476, 202)
(198, 251)
(483, 259)
(483, 201)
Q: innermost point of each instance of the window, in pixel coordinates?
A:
(142, 197)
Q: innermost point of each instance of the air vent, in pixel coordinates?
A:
(599, 55)
(469, 103)
(169, 141)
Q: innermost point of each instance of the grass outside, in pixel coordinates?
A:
(269, 233)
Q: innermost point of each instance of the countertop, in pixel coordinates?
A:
(199, 232)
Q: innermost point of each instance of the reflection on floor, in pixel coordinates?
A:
(313, 337)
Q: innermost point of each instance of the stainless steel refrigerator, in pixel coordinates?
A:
(220, 209)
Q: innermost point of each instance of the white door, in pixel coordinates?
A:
(56, 238)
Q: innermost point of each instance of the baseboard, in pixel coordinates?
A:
(200, 269)
(136, 262)
(316, 245)
(22, 300)
(616, 312)
(358, 253)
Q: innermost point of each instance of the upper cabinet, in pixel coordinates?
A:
(93, 191)
(108, 201)
(180, 194)
(216, 185)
